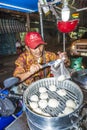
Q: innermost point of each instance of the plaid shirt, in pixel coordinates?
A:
(26, 59)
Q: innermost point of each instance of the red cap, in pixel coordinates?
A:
(33, 39)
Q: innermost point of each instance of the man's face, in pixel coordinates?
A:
(37, 52)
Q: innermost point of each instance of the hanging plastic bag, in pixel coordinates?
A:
(60, 71)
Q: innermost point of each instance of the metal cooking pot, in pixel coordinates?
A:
(54, 122)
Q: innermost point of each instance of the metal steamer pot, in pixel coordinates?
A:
(54, 122)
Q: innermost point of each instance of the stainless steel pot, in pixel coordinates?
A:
(54, 122)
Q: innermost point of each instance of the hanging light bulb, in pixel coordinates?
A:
(65, 14)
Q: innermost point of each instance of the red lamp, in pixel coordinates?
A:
(68, 26)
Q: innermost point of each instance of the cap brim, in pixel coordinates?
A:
(37, 43)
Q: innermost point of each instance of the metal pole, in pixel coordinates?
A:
(82, 9)
(41, 20)
(64, 42)
(42, 34)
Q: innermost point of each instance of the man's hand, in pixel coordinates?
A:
(64, 55)
(34, 68)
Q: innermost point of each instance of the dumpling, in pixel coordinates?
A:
(44, 95)
(53, 103)
(42, 104)
(68, 110)
(34, 98)
(71, 103)
(33, 105)
(42, 89)
(61, 78)
(62, 92)
(38, 110)
(52, 88)
(61, 114)
(45, 114)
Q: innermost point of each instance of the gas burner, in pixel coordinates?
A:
(79, 126)
(84, 120)
(82, 124)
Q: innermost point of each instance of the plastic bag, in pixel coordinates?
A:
(60, 71)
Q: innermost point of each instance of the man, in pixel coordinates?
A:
(29, 63)
(18, 47)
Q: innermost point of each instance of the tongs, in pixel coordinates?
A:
(54, 63)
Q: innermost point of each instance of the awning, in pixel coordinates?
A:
(28, 6)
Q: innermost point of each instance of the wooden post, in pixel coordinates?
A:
(28, 23)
